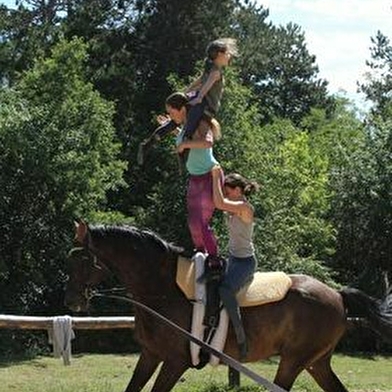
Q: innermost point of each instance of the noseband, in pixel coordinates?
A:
(89, 292)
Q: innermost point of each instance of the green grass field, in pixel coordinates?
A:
(111, 373)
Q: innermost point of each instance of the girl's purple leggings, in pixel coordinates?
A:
(201, 206)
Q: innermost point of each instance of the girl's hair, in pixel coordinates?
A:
(177, 100)
(221, 45)
(248, 187)
(207, 123)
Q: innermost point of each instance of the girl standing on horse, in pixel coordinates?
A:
(232, 198)
(201, 160)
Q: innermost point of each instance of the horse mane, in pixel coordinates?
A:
(126, 237)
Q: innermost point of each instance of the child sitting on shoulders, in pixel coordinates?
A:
(204, 94)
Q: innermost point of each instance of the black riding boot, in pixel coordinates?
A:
(230, 302)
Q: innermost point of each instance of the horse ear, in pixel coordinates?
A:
(81, 231)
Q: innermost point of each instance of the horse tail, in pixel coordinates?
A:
(377, 313)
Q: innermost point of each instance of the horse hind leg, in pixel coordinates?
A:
(325, 377)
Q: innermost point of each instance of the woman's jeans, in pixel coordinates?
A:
(239, 272)
(194, 115)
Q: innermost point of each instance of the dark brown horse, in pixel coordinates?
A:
(304, 328)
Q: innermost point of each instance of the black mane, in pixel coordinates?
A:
(128, 237)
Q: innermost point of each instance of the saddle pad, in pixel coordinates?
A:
(265, 287)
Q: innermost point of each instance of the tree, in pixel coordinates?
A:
(296, 235)
(59, 159)
(26, 33)
(362, 212)
(277, 65)
(378, 82)
(362, 186)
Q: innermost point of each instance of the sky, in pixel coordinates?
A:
(337, 32)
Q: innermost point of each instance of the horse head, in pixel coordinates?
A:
(143, 262)
(84, 272)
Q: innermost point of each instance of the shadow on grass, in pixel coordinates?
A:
(371, 356)
(9, 360)
(13, 359)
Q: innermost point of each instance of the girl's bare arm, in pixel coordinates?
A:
(195, 85)
(212, 78)
(240, 208)
(200, 140)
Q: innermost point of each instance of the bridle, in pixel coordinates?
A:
(89, 292)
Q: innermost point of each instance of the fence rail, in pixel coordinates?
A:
(32, 322)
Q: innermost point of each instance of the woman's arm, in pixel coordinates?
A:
(199, 141)
(240, 208)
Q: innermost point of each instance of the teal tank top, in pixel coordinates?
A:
(200, 160)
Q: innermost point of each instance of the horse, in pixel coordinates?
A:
(303, 328)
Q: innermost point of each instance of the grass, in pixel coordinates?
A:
(107, 373)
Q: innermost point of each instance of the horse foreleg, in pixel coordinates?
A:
(145, 368)
(287, 373)
(169, 374)
(325, 377)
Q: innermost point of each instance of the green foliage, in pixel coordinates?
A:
(80, 127)
(367, 183)
(297, 233)
(362, 211)
(358, 182)
(378, 82)
(276, 64)
(59, 159)
(26, 33)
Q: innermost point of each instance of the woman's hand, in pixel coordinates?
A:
(196, 101)
(162, 118)
(217, 171)
(180, 148)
